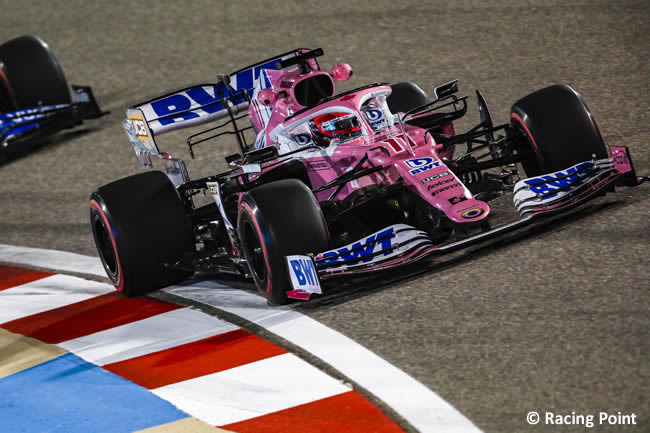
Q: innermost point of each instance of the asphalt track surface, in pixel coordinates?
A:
(556, 318)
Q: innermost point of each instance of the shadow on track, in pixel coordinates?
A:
(8, 157)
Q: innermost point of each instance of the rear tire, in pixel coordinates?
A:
(560, 129)
(32, 73)
(278, 219)
(139, 223)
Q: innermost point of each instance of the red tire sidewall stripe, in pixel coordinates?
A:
(267, 261)
(96, 205)
(4, 78)
(530, 136)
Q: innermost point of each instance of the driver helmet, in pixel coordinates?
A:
(343, 126)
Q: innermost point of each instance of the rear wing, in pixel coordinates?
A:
(197, 105)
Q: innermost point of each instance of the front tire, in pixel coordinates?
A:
(139, 224)
(405, 96)
(33, 75)
(559, 128)
(278, 219)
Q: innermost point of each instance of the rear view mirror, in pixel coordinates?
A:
(341, 72)
(446, 89)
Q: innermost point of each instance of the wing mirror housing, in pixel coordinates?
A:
(267, 97)
(446, 89)
(341, 72)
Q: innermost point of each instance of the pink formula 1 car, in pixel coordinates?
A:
(339, 184)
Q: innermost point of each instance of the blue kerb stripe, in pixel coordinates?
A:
(68, 394)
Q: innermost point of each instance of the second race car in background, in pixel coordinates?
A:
(35, 99)
(338, 185)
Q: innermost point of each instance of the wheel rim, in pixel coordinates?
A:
(254, 252)
(105, 246)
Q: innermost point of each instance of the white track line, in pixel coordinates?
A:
(149, 335)
(418, 405)
(60, 261)
(251, 390)
(46, 294)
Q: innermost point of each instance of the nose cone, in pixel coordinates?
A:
(468, 211)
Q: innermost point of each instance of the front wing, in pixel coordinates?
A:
(31, 124)
(534, 198)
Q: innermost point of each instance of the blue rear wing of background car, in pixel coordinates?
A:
(203, 103)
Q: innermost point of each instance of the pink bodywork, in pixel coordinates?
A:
(388, 148)
(622, 163)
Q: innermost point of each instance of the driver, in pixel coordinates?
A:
(339, 127)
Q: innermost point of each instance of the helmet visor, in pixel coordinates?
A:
(339, 125)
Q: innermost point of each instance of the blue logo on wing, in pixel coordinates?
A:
(304, 271)
(178, 107)
(420, 165)
(376, 119)
(373, 115)
(361, 251)
(549, 185)
(418, 162)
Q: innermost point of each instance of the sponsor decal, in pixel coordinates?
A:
(286, 84)
(620, 158)
(138, 131)
(361, 251)
(376, 119)
(440, 182)
(445, 188)
(435, 176)
(304, 271)
(471, 213)
(213, 188)
(420, 165)
(374, 115)
(139, 127)
(176, 108)
(302, 139)
(548, 185)
(317, 164)
(457, 199)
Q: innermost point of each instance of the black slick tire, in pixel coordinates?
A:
(139, 224)
(278, 219)
(559, 128)
(405, 96)
(32, 74)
